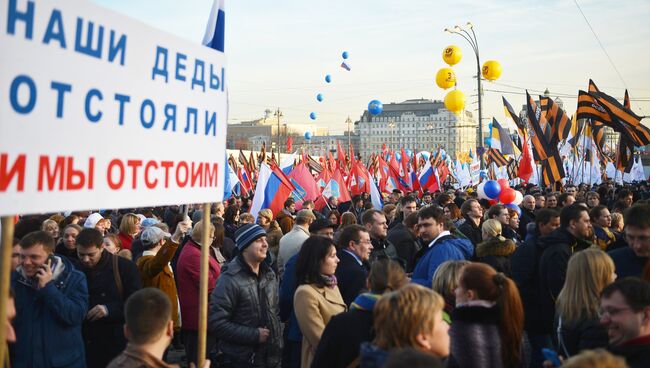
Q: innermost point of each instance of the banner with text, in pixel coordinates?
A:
(98, 110)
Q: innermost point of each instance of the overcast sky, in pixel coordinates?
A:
(280, 51)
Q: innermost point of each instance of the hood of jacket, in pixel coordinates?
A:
(499, 246)
(61, 267)
(561, 236)
(464, 245)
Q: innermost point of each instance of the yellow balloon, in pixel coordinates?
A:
(491, 70)
(452, 55)
(446, 78)
(455, 101)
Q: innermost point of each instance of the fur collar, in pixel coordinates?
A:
(496, 247)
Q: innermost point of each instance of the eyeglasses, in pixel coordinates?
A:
(611, 312)
(364, 242)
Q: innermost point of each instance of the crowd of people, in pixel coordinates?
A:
(430, 280)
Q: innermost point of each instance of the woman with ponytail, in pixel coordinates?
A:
(488, 328)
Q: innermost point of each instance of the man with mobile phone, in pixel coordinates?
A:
(51, 301)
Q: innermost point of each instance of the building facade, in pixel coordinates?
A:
(250, 135)
(419, 125)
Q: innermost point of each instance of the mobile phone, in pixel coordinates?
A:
(551, 356)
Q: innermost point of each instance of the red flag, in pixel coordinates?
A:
(306, 187)
(525, 167)
(337, 188)
(341, 158)
(289, 144)
(443, 172)
(323, 179)
(415, 182)
(404, 171)
(359, 179)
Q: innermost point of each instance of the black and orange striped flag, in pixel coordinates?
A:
(494, 155)
(541, 148)
(556, 118)
(625, 151)
(599, 106)
(552, 170)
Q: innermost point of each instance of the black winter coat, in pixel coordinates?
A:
(104, 338)
(341, 340)
(527, 217)
(471, 231)
(557, 247)
(241, 303)
(351, 276)
(384, 249)
(475, 340)
(627, 263)
(406, 244)
(525, 272)
(585, 334)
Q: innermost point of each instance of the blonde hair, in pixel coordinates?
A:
(197, 231)
(49, 224)
(492, 228)
(265, 212)
(588, 272)
(129, 223)
(617, 221)
(598, 358)
(401, 315)
(445, 279)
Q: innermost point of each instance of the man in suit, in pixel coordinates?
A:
(354, 252)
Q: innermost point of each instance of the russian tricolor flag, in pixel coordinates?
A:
(273, 188)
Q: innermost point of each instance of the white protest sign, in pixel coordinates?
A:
(98, 110)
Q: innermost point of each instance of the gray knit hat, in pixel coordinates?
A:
(247, 234)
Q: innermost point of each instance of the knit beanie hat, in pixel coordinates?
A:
(247, 234)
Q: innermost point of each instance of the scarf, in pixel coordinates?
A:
(330, 281)
(365, 302)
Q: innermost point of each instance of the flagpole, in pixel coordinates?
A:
(5, 276)
(206, 241)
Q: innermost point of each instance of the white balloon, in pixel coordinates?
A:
(481, 192)
(518, 198)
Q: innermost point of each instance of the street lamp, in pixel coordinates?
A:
(471, 38)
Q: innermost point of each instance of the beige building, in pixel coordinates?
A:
(419, 125)
(249, 135)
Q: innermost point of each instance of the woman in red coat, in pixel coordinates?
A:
(129, 228)
(188, 275)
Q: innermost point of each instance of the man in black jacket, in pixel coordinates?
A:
(111, 280)
(354, 252)
(525, 266)
(527, 214)
(401, 237)
(631, 260)
(471, 228)
(573, 235)
(244, 309)
(375, 222)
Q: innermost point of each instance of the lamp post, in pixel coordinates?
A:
(471, 38)
(278, 114)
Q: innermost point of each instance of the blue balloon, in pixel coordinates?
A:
(492, 189)
(328, 78)
(375, 107)
(409, 153)
(312, 116)
(308, 135)
(345, 55)
(319, 97)
(398, 157)
(514, 207)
